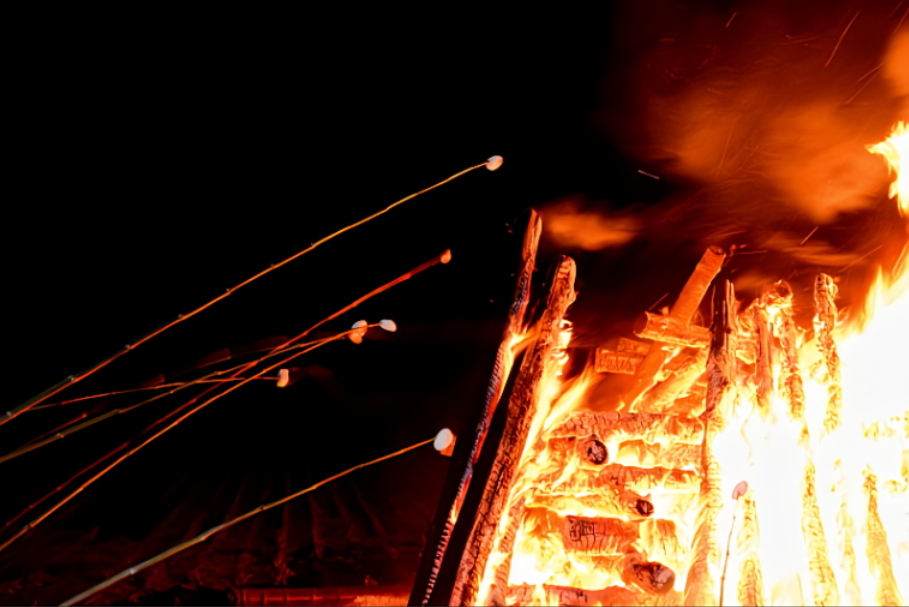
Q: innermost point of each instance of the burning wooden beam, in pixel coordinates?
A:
(791, 384)
(681, 313)
(706, 553)
(751, 583)
(675, 455)
(629, 478)
(597, 535)
(824, 324)
(462, 467)
(624, 505)
(689, 365)
(886, 592)
(646, 426)
(613, 596)
(674, 331)
(521, 408)
(763, 367)
(823, 581)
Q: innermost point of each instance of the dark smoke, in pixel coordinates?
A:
(755, 117)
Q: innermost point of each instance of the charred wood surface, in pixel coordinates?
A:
(824, 325)
(462, 465)
(886, 591)
(682, 312)
(629, 426)
(521, 408)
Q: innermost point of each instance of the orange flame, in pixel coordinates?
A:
(896, 150)
(794, 490)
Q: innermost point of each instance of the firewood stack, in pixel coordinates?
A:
(636, 495)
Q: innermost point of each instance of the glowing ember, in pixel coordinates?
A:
(774, 470)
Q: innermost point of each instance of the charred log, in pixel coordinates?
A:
(823, 582)
(683, 312)
(629, 426)
(886, 592)
(462, 466)
(521, 408)
(824, 324)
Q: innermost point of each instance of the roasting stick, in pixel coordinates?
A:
(158, 434)
(69, 430)
(444, 258)
(207, 534)
(175, 384)
(238, 370)
(515, 326)
(521, 408)
(491, 164)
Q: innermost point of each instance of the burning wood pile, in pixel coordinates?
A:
(751, 461)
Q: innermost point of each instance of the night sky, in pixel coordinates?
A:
(166, 157)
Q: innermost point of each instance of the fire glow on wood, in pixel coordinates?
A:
(752, 462)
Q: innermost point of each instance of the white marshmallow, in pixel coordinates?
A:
(494, 162)
(444, 439)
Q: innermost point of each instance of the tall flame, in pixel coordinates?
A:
(896, 150)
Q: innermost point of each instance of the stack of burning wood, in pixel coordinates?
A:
(632, 498)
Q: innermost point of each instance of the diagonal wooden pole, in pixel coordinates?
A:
(462, 465)
(74, 379)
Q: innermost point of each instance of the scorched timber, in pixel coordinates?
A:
(886, 592)
(651, 427)
(624, 505)
(616, 477)
(824, 324)
(791, 384)
(463, 466)
(682, 313)
(521, 409)
(613, 596)
(751, 583)
(700, 587)
(673, 455)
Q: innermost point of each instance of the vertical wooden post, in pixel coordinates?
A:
(521, 410)
(721, 368)
(466, 457)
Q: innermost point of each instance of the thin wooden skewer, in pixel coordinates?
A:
(148, 440)
(204, 536)
(145, 389)
(74, 379)
(288, 345)
(69, 428)
(444, 258)
(59, 433)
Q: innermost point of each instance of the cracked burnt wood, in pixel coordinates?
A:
(613, 596)
(464, 460)
(628, 426)
(791, 384)
(824, 325)
(703, 573)
(886, 591)
(748, 543)
(681, 313)
(521, 408)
